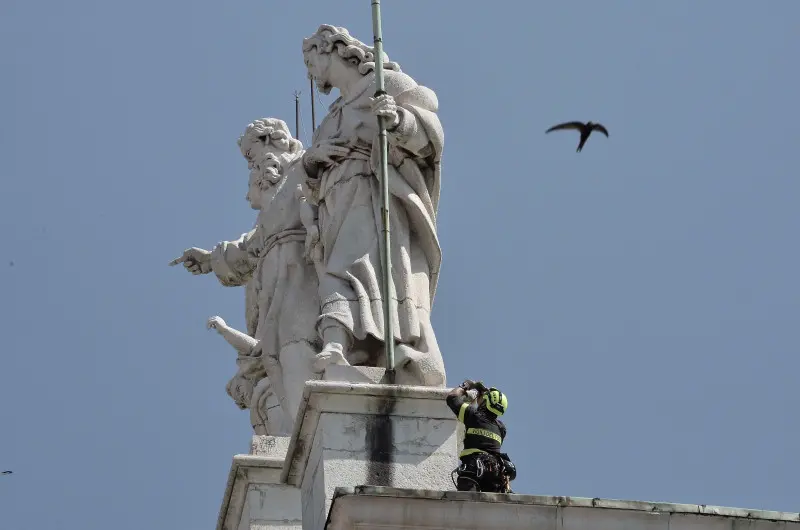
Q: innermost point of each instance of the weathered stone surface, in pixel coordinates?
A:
(354, 374)
(270, 446)
(351, 434)
(378, 507)
(255, 496)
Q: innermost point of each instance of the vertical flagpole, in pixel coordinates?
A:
(388, 327)
(313, 110)
(297, 115)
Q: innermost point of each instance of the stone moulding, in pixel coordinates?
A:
(577, 502)
(382, 507)
(244, 470)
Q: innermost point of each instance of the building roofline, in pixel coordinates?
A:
(547, 500)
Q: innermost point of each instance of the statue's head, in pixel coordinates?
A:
(240, 389)
(333, 47)
(268, 147)
(268, 136)
(241, 386)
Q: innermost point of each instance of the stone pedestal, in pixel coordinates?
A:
(351, 434)
(255, 497)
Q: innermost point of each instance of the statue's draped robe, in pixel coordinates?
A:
(233, 262)
(349, 198)
(282, 301)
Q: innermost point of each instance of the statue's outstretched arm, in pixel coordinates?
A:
(231, 262)
(241, 342)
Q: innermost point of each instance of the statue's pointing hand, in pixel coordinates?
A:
(385, 106)
(195, 260)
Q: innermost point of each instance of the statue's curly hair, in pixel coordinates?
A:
(329, 38)
(265, 177)
(268, 131)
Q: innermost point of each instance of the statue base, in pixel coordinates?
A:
(350, 431)
(354, 374)
(255, 497)
(353, 434)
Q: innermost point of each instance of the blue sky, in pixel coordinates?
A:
(638, 302)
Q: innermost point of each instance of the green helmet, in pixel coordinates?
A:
(496, 402)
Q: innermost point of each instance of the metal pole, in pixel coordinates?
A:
(388, 327)
(297, 115)
(313, 111)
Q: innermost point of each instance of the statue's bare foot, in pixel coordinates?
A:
(332, 353)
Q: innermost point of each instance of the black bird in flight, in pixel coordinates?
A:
(585, 129)
(7, 472)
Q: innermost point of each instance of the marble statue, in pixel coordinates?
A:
(274, 263)
(343, 182)
(311, 264)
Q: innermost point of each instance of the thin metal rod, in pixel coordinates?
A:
(297, 115)
(313, 109)
(388, 325)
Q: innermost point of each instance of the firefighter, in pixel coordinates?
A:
(483, 467)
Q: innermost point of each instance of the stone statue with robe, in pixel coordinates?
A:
(281, 301)
(344, 184)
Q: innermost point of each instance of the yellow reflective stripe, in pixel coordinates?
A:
(467, 452)
(485, 433)
(462, 411)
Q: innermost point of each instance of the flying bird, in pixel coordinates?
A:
(7, 472)
(585, 129)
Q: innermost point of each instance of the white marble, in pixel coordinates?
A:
(342, 165)
(271, 446)
(275, 355)
(310, 266)
(355, 374)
